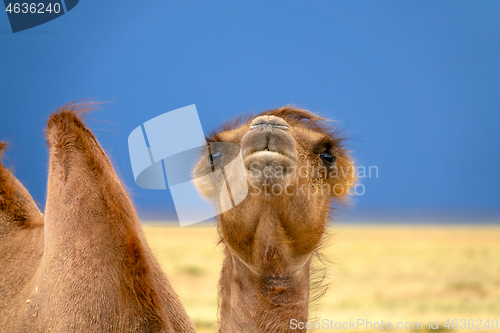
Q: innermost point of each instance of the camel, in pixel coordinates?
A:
(85, 265)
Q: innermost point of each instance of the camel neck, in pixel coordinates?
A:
(249, 300)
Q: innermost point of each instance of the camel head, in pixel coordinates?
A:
(295, 165)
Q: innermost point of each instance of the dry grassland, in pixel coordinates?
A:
(403, 273)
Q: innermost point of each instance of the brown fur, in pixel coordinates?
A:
(271, 240)
(88, 268)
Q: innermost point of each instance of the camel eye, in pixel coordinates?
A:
(328, 158)
(217, 157)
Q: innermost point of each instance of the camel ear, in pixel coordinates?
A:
(345, 177)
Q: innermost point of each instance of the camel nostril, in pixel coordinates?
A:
(269, 121)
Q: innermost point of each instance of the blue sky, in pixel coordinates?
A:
(416, 85)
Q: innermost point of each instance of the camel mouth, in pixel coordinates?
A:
(269, 150)
(267, 167)
(269, 154)
(268, 160)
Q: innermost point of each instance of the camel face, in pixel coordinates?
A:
(288, 154)
(295, 166)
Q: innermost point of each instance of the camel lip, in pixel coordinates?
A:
(269, 153)
(273, 126)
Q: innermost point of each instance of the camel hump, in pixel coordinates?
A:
(92, 226)
(17, 207)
